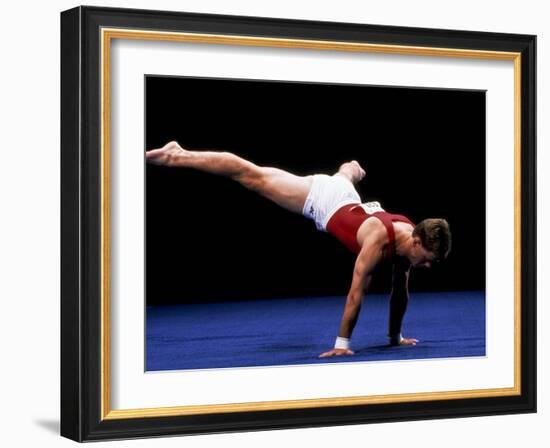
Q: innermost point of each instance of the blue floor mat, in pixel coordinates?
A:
(295, 331)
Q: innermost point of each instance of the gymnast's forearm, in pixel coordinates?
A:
(350, 316)
(359, 284)
(398, 306)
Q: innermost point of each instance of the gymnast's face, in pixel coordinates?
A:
(420, 257)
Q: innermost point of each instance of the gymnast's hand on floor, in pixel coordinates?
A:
(406, 341)
(336, 352)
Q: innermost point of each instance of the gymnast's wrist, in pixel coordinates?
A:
(395, 339)
(342, 343)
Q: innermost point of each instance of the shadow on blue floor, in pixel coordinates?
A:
(296, 331)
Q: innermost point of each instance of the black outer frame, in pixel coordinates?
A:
(80, 223)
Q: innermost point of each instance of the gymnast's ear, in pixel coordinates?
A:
(417, 241)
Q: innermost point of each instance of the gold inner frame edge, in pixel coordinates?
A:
(107, 34)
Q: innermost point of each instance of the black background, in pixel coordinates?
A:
(208, 238)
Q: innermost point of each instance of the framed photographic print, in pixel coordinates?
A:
(272, 223)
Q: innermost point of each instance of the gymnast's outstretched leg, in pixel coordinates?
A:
(284, 188)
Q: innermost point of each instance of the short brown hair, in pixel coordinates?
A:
(435, 235)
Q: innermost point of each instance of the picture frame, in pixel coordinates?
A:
(87, 138)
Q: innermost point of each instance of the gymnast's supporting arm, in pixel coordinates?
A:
(365, 263)
(399, 299)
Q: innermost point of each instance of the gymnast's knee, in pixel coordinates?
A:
(253, 177)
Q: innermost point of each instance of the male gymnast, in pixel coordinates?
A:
(333, 203)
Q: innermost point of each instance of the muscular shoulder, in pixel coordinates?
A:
(372, 245)
(374, 233)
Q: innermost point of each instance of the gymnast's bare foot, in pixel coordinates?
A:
(352, 170)
(171, 154)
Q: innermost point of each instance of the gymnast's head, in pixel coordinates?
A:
(431, 242)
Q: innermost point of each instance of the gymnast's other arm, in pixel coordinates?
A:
(399, 299)
(368, 258)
